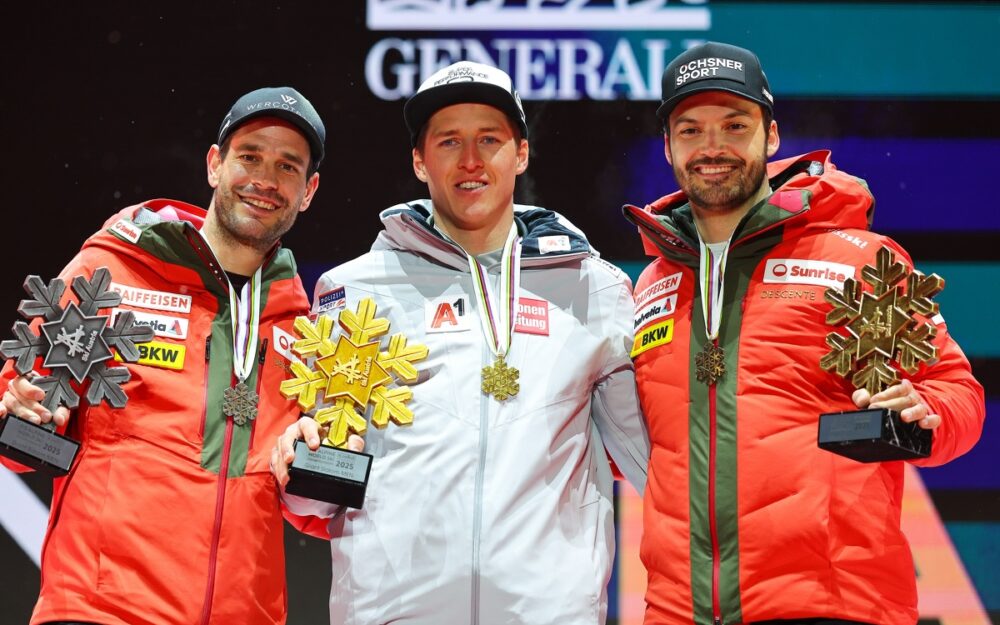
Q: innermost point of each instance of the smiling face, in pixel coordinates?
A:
(718, 146)
(470, 158)
(260, 184)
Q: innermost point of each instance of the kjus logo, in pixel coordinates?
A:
(288, 99)
(546, 51)
(802, 271)
(538, 14)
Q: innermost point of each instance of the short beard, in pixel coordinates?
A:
(248, 232)
(725, 195)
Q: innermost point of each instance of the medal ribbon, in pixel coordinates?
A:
(712, 268)
(245, 314)
(497, 316)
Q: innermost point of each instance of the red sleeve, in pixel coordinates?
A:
(310, 525)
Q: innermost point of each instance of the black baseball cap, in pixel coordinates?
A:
(282, 102)
(460, 83)
(714, 66)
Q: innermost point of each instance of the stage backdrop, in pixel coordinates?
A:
(108, 104)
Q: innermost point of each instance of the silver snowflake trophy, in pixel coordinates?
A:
(75, 344)
(884, 337)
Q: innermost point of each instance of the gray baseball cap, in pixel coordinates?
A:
(282, 102)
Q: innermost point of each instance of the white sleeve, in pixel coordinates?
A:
(615, 402)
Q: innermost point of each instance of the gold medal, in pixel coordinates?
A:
(501, 381)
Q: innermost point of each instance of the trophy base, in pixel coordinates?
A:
(329, 474)
(37, 447)
(875, 435)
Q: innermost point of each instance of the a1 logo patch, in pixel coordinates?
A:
(447, 314)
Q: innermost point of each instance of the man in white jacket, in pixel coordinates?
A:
(495, 504)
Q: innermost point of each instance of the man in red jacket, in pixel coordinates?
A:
(170, 514)
(746, 520)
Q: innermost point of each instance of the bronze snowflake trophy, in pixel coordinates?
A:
(349, 375)
(76, 345)
(883, 337)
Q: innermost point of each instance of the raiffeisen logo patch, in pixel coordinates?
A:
(802, 271)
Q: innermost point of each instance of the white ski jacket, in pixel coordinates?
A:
(487, 512)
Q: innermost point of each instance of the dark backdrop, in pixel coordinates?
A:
(108, 104)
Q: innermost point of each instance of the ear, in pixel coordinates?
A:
(773, 140)
(523, 151)
(666, 149)
(311, 185)
(418, 165)
(213, 162)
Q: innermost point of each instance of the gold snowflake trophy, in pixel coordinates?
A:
(346, 377)
(883, 337)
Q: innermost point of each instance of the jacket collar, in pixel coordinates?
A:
(808, 193)
(548, 238)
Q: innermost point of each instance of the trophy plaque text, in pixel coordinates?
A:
(882, 337)
(349, 375)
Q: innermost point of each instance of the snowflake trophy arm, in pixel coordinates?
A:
(46, 302)
(315, 337)
(341, 419)
(26, 348)
(124, 334)
(400, 356)
(304, 385)
(363, 326)
(94, 294)
(846, 303)
(105, 383)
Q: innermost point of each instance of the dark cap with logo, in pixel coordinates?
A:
(714, 66)
(282, 102)
(464, 82)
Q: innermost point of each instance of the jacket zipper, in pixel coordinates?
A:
(220, 499)
(204, 403)
(716, 558)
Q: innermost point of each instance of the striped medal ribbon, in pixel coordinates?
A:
(497, 317)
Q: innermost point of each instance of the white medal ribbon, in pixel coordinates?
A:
(245, 315)
(244, 312)
(712, 269)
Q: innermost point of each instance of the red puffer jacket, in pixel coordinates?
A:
(170, 514)
(745, 518)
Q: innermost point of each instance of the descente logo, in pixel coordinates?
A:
(803, 271)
